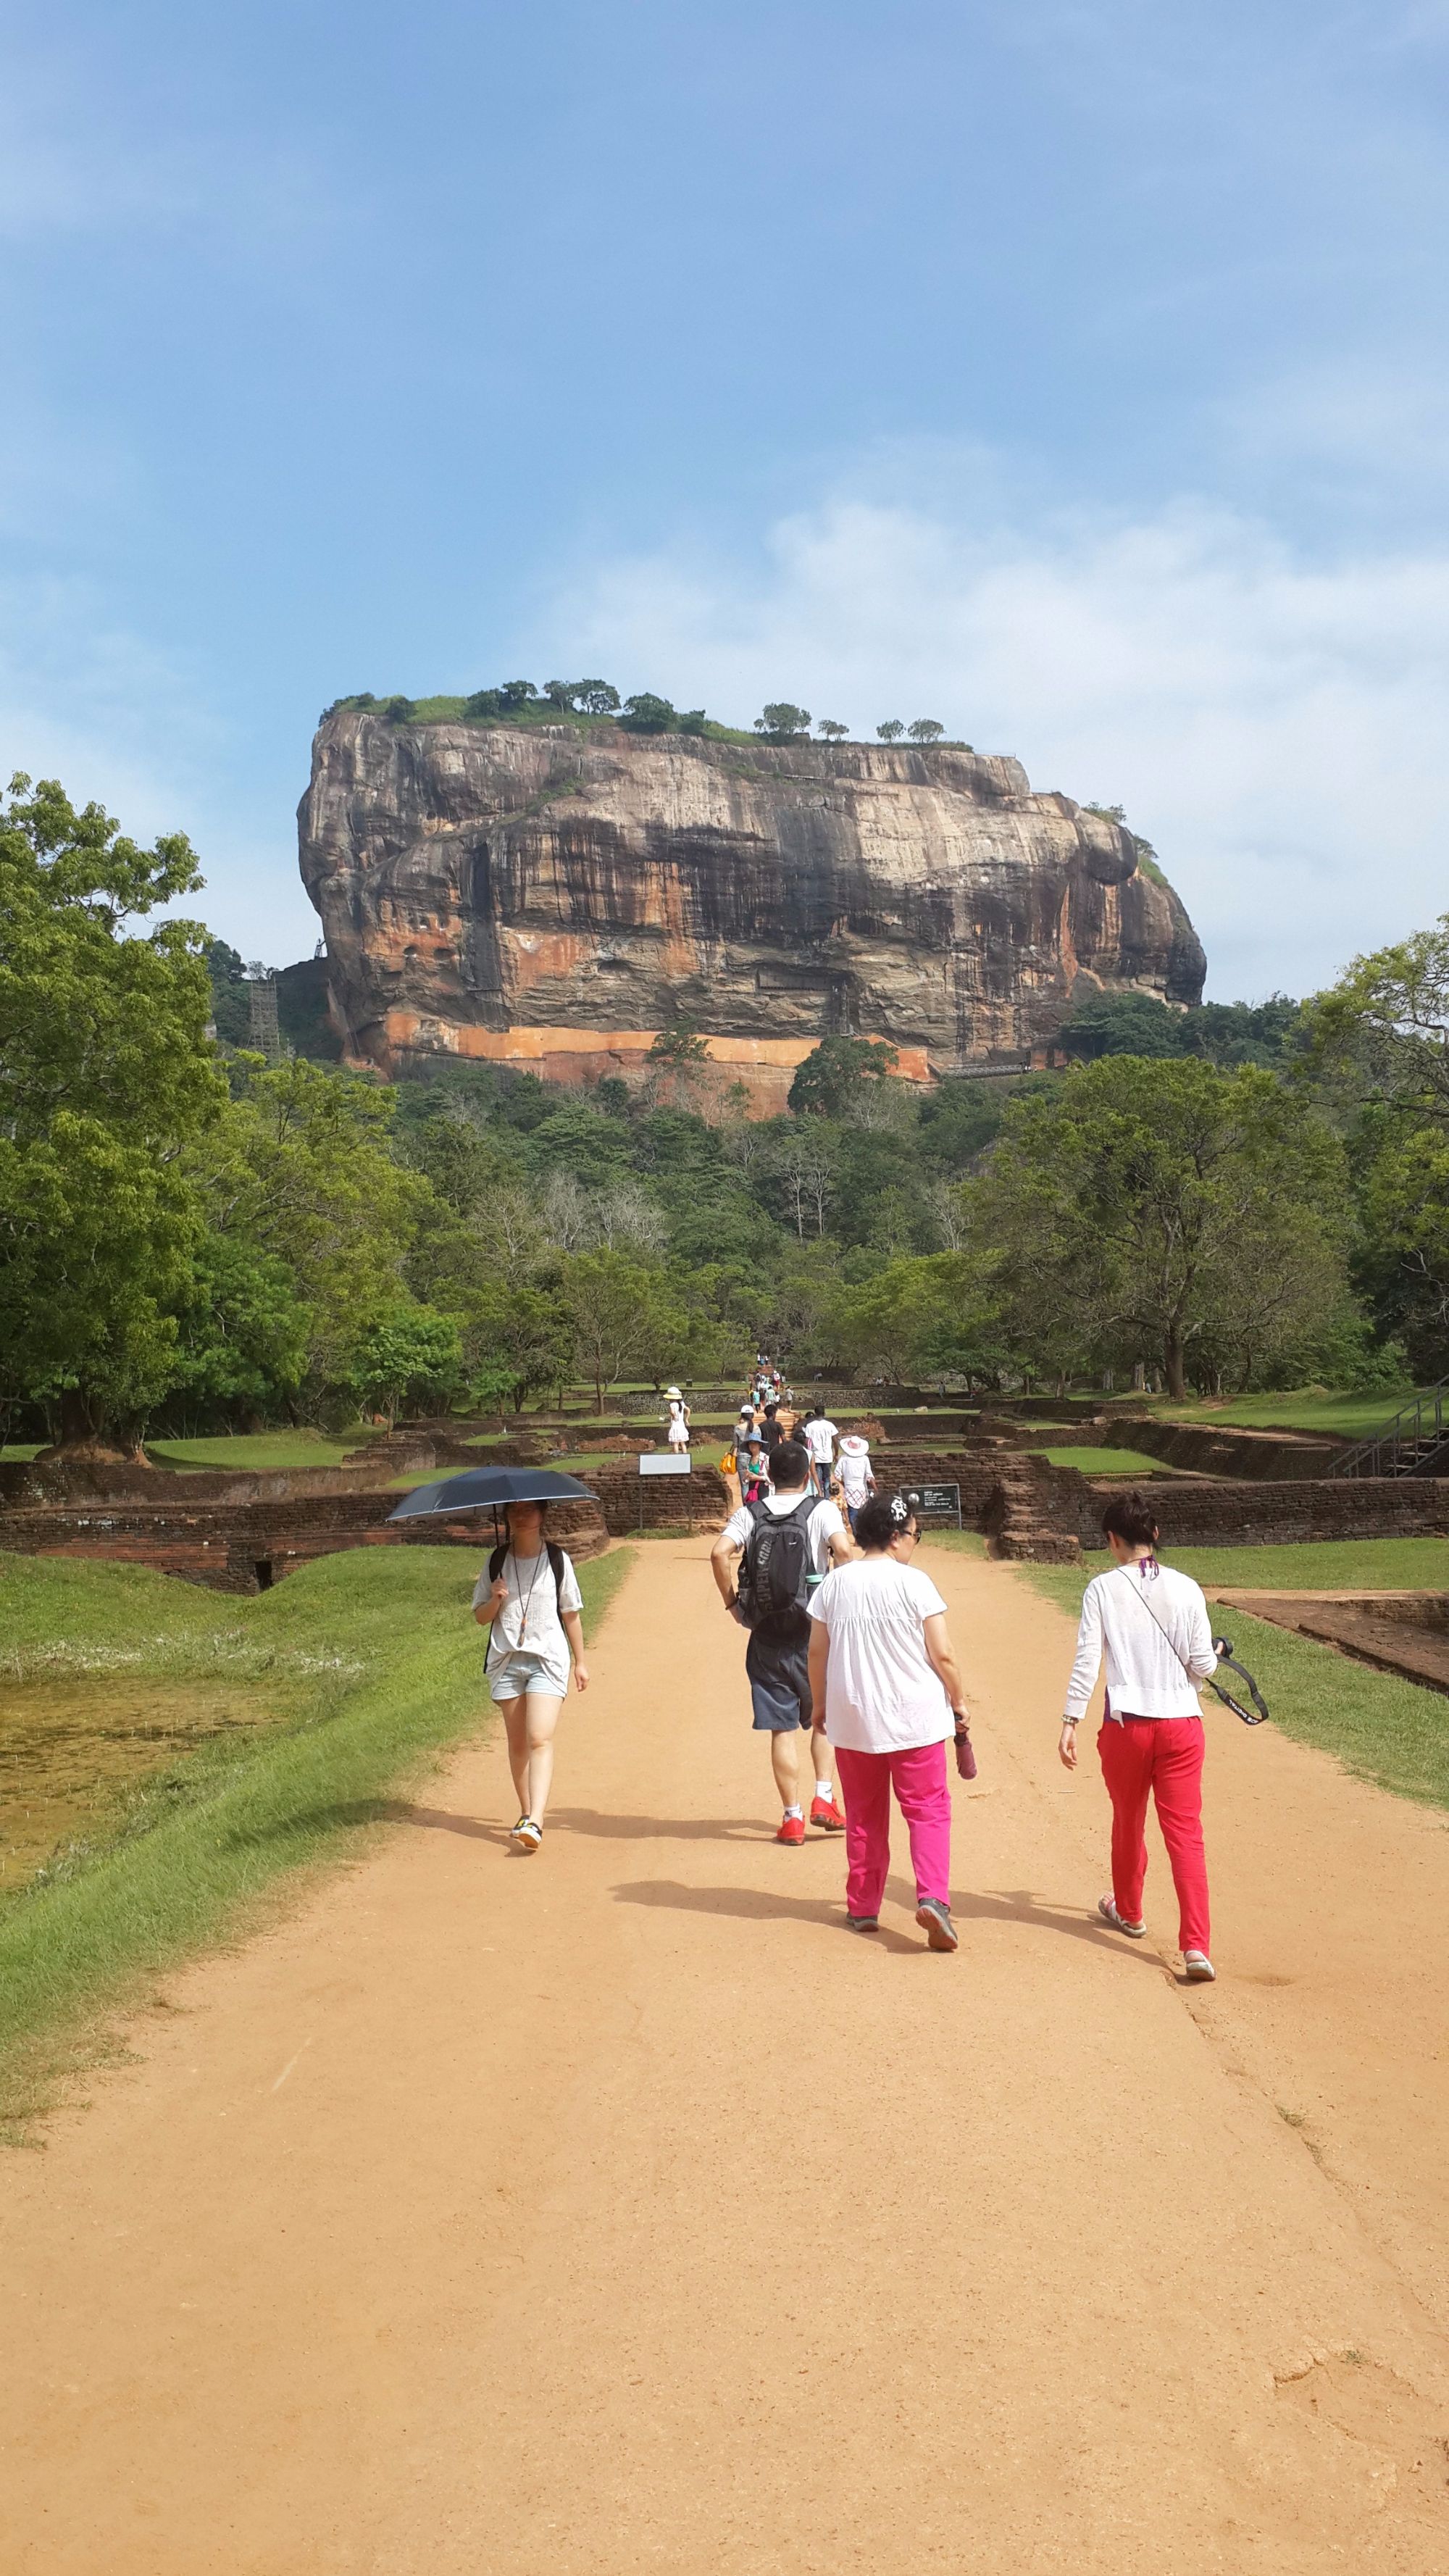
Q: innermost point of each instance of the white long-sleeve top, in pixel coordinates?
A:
(1124, 1614)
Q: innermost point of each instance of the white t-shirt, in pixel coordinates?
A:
(823, 1525)
(856, 1478)
(819, 1437)
(530, 1616)
(881, 1692)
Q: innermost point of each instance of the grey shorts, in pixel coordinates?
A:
(779, 1679)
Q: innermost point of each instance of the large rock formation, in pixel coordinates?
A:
(553, 898)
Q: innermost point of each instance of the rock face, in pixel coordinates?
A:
(553, 898)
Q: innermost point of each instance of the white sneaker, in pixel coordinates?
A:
(1199, 1968)
(1119, 1923)
(526, 1835)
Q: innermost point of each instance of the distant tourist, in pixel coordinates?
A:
(1151, 1624)
(678, 1419)
(772, 1430)
(857, 1476)
(820, 1436)
(767, 1562)
(752, 1466)
(528, 1596)
(883, 1673)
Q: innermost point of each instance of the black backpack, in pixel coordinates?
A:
(776, 1576)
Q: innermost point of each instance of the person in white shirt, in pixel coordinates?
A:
(882, 1666)
(777, 1658)
(857, 1477)
(678, 1434)
(528, 1597)
(1151, 1626)
(820, 1436)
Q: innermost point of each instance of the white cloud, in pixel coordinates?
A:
(1275, 726)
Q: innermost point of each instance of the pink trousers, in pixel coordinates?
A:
(918, 1778)
(1160, 1756)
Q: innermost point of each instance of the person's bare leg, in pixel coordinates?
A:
(822, 1757)
(542, 1709)
(515, 1726)
(783, 1744)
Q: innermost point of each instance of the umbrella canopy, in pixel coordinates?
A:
(487, 1489)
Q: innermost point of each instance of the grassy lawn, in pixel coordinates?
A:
(373, 1668)
(260, 1449)
(960, 1542)
(1352, 1415)
(1103, 1462)
(1328, 1565)
(1381, 1729)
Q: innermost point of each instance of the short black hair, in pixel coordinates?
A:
(814, 1412)
(1131, 1518)
(883, 1518)
(789, 1464)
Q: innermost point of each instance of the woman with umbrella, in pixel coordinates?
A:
(528, 1595)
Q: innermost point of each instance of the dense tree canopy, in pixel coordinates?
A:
(193, 1237)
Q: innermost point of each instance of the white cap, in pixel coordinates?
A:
(673, 1390)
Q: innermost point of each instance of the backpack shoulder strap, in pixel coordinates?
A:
(556, 1566)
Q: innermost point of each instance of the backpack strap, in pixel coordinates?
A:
(556, 1567)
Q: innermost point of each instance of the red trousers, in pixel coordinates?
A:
(1163, 1755)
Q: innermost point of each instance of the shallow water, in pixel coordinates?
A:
(71, 1748)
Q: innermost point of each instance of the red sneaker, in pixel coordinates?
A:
(825, 1813)
(792, 1830)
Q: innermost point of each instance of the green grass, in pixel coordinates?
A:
(1326, 1565)
(1103, 1462)
(960, 1542)
(262, 1450)
(377, 1665)
(1381, 1729)
(1310, 1410)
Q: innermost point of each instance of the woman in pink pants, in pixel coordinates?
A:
(882, 1668)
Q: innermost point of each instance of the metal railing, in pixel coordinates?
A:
(1408, 1444)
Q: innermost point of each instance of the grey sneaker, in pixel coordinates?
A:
(1199, 1968)
(863, 1922)
(935, 1921)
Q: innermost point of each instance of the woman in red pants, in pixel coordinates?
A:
(1152, 1626)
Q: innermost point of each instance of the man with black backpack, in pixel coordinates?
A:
(767, 1561)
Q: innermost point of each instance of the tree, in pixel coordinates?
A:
(1386, 1022)
(407, 1358)
(679, 1044)
(105, 1078)
(516, 1339)
(891, 732)
(782, 722)
(929, 1316)
(806, 1167)
(925, 729)
(644, 713)
(583, 697)
(1129, 1198)
(834, 1072)
(691, 720)
(300, 1166)
(242, 1336)
(830, 731)
(623, 1318)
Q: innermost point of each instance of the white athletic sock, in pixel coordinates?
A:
(794, 1811)
(825, 1789)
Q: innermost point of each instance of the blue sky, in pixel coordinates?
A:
(1072, 374)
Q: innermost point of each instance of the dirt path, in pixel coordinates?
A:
(618, 2209)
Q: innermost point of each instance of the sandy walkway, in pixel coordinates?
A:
(618, 2209)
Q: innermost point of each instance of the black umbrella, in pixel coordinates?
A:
(486, 1489)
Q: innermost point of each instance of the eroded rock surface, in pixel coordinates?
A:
(554, 898)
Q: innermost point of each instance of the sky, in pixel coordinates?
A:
(1072, 374)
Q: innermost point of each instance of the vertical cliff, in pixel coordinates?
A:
(553, 897)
